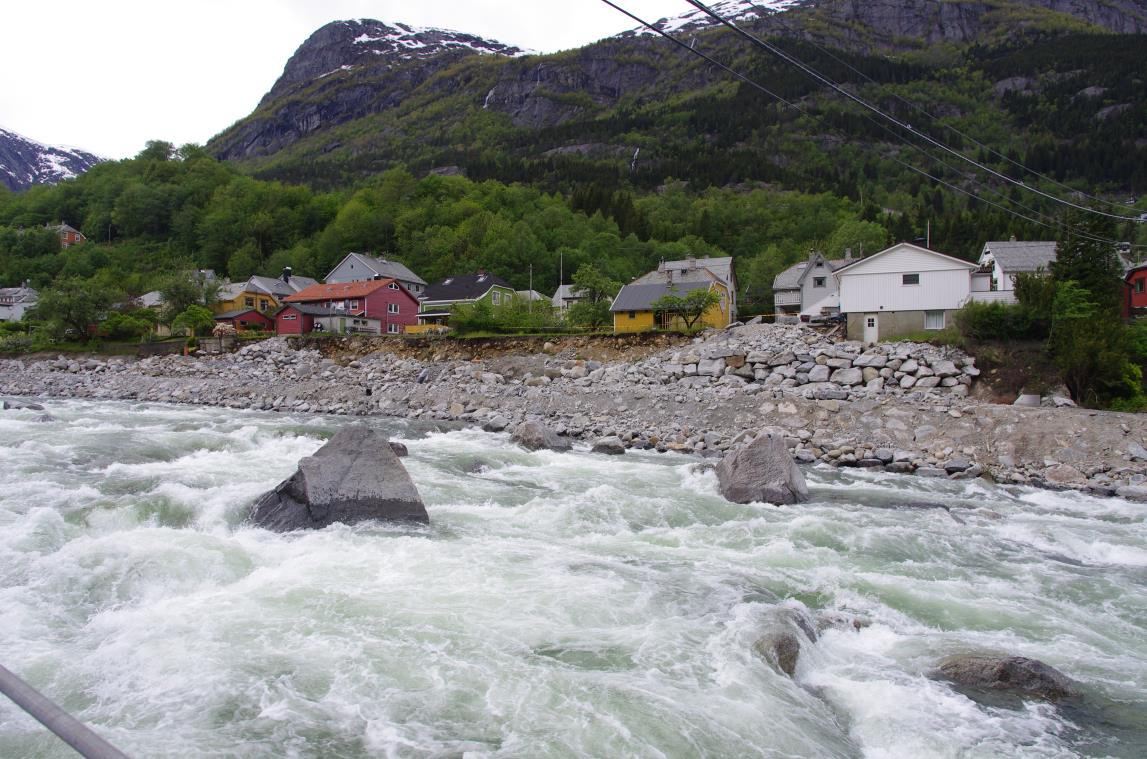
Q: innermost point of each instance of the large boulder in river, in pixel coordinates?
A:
(355, 477)
(762, 471)
(535, 436)
(1026, 677)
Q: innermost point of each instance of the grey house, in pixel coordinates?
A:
(358, 267)
(1004, 260)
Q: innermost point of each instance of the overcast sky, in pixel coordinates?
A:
(109, 75)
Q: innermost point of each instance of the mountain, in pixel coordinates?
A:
(333, 78)
(1055, 84)
(25, 162)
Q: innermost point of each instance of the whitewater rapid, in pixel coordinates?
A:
(559, 605)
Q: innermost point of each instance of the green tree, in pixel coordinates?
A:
(1092, 350)
(595, 292)
(1082, 256)
(196, 319)
(689, 307)
(73, 307)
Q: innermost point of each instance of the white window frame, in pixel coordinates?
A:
(289, 317)
(496, 297)
(904, 279)
(393, 285)
(819, 281)
(392, 308)
(934, 321)
(393, 329)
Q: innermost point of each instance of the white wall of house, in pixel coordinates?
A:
(878, 283)
(812, 295)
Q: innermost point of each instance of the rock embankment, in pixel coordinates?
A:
(910, 411)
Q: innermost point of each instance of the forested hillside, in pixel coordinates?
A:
(167, 211)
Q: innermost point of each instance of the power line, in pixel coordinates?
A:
(920, 109)
(1050, 225)
(813, 73)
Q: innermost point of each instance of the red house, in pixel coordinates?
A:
(245, 320)
(1136, 279)
(381, 306)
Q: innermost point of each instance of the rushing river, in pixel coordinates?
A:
(559, 604)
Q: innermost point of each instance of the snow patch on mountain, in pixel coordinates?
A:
(733, 10)
(25, 162)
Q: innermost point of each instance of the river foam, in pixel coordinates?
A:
(558, 604)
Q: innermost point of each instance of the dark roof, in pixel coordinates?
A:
(309, 310)
(639, 297)
(237, 313)
(463, 287)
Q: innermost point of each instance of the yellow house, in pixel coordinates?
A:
(260, 293)
(633, 307)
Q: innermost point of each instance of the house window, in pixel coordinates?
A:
(392, 308)
(249, 302)
(933, 320)
(818, 281)
(393, 285)
(289, 318)
(632, 314)
(910, 279)
(354, 304)
(264, 305)
(871, 322)
(1139, 285)
(497, 298)
(393, 329)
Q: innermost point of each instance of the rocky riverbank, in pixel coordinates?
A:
(897, 407)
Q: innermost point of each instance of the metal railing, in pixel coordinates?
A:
(66, 727)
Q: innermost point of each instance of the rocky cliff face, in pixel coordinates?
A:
(353, 69)
(25, 162)
(344, 71)
(901, 23)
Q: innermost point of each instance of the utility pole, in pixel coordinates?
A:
(530, 308)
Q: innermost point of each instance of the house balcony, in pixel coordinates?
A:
(994, 296)
(787, 297)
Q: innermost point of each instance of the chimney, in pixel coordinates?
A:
(286, 275)
(848, 254)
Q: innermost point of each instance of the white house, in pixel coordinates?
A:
(808, 288)
(902, 289)
(691, 268)
(1003, 260)
(357, 267)
(16, 301)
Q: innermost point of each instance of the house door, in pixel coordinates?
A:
(871, 328)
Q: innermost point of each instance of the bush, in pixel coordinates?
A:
(1000, 321)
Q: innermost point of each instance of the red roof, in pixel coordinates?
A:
(338, 291)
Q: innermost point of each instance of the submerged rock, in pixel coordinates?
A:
(1027, 677)
(536, 436)
(611, 445)
(763, 471)
(355, 477)
(781, 644)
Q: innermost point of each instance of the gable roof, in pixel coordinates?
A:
(639, 296)
(342, 291)
(793, 277)
(1014, 256)
(18, 294)
(564, 293)
(858, 263)
(227, 315)
(278, 287)
(382, 268)
(463, 287)
(722, 267)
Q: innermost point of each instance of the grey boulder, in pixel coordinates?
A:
(536, 436)
(355, 477)
(1027, 677)
(610, 445)
(762, 471)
